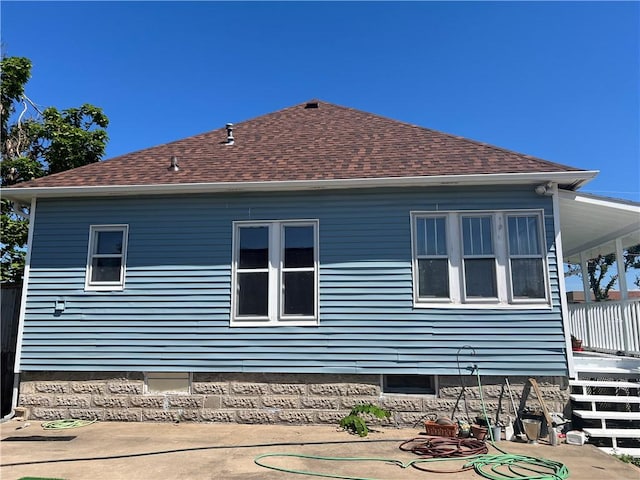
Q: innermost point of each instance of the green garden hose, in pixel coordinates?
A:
(505, 466)
(67, 423)
(493, 467)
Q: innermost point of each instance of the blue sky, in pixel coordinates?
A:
(550, 79)
(559, 81)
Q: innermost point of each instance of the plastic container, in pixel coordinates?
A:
(509, 434)
(531, 429)
(576, 437)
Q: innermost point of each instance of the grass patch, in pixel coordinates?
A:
(629, 459)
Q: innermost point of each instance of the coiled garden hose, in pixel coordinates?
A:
(505, 466)
(513, 467)
(67, 423)
(443, 447)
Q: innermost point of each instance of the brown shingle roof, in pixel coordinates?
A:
(329, 142)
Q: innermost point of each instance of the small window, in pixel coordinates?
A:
(106, 257)
(275, 278)
(168, 382)
(409, 384)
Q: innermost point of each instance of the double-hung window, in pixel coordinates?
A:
(478, 258)
(275, 273)
(525, 258)
(106, 257)
(432, 257)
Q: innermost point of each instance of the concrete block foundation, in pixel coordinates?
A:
(271, 398)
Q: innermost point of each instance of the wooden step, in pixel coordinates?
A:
(634, 452)
(613, 432)
(603, 383)
(607, 415)
(605, 398)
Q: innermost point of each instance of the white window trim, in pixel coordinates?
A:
(276, 270)
(441, 257)
(542, 256)
(106, 286)
(497, 243)
(457, 298)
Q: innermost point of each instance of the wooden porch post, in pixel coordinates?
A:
(587, 298)
(624, 294)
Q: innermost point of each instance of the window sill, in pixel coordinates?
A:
(104, 288)
(485, 306)
(279, 323)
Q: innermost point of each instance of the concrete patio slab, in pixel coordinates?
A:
(158, 451)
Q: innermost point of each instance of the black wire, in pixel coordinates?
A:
(195, 449)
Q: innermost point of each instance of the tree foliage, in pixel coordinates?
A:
(35, 143)
(599, 275)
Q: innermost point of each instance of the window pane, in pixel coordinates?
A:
(105, 269)
(253, 294)
(298, 246)
(433, 278)
(523, 236)
(254, 247)
(299, 293)
(412, 384)
(109, 242)
(527, 276)
(431, 236)
(477, 235)
(480, 277)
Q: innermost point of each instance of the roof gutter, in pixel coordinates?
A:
(568, 180)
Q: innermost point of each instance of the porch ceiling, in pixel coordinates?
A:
(591, 224)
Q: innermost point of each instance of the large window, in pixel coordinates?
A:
(478, 258)
(275, 279)
(106, 257)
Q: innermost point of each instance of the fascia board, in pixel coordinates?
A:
(595, 200)
(573, 178)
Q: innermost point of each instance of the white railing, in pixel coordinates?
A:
(607, 326)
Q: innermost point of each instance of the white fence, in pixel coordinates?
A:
(607, 326)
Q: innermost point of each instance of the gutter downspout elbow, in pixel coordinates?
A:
(14, 399)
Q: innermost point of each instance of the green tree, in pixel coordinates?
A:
(599, 275)
(35, 143)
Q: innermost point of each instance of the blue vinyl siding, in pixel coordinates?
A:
(173, 314)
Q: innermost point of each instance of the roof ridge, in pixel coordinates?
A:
(451, 135)
(311, 140)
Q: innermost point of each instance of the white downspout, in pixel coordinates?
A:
(561, 284)
(23, 309)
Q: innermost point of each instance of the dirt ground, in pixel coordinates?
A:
(158, 451)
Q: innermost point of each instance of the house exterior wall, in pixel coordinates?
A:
(263, 398)
(174, 313)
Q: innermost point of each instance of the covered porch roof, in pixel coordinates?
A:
(591, 224)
